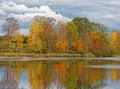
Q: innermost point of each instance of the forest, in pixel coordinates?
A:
(49, 36)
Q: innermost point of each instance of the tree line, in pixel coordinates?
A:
(47, 35)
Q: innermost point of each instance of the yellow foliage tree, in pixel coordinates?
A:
(113, 40)
(30, 40)
(38, 46)
(19, 40)
(35, 35)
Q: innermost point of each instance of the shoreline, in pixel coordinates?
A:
(50, 55)
(26, 59)
(47, 55)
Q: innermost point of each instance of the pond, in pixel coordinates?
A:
(58, 73)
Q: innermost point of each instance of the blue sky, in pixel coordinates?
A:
(101, 11)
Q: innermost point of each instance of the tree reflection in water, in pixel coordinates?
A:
(58, 74)
(11, 75)
(61, 75)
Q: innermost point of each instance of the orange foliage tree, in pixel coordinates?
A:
(61, 46)
(61, 42)
(78, 44)
(96, 39)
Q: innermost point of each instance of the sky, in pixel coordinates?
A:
(106, 12)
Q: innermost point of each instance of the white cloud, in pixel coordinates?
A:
(22, 11)
(41, 11)
(101, 11)
(1, 12)
(24, 14)
(20, 8)
(110, 16)
(110, 2)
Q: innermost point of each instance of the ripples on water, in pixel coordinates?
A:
(60, 74)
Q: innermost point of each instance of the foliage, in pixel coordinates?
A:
(113, 40)
(78, 44)
(46, 35)
(61, 46)
(19, 41)
(72, 33)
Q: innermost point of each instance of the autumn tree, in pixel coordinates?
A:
(49, 33)
(19, 41)
(42, 28)
(96, 39)
(84, 27)
(100, 45)
(78, 44)
(113, 39)
(61, 41)
(118, 39)
(34, 37)
(61, 31)
(99, 27)
(102, 30)
(30, 40)
(9, 28)
(61, 46)
(72, 33)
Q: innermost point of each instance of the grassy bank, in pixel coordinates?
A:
(116, 55)
(45, 55)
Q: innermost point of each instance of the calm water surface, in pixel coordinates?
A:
(60, 74)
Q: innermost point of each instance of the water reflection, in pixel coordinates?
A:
(69, 74)
(10, 77)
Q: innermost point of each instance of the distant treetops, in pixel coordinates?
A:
(48, 35)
